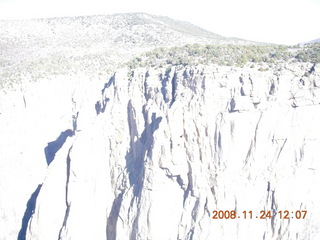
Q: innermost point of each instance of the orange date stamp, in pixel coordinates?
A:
(298, 214)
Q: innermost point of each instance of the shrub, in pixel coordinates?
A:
(230, 55)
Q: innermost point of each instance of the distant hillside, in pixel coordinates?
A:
(312, 41)
(188, 28)
(92, 44)
(315, 40)
(96, 45)
(130, 31)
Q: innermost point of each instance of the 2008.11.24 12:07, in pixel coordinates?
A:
(299, 214)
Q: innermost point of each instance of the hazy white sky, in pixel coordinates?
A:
(277, 21)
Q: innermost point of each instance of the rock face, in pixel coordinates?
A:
(152, 153)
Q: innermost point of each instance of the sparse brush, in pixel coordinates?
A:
(229, 55)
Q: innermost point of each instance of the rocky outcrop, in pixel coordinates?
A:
(152, 153)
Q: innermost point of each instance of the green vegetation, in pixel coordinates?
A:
(227, 55)
(310, 53)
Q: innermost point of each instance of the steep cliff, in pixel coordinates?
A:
(152, 152)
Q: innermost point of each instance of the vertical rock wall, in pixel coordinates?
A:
(159, 150)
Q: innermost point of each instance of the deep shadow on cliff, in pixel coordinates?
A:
(31, 205)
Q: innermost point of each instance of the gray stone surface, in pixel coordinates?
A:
(169, 148)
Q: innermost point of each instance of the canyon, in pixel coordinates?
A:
(93, 149)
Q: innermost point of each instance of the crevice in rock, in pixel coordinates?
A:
(180, 182)
(232, 107)
(140, 150)
(189, 187)
(31, 205)
(315, 85)
(190, 234)
(198, 139)
(312, 69)
(242, 92)
(187, 73)
(68, 163)
(272, 89)
(75, 122)
(284, 143)
(273, 211)
(139, 147)
(108, 84)
(164, 82)
(174, 84)
(24, 101)
(203, 84)
(113, 217)
(219, 140)
(301, 152)
(256, 130)
(273, 206)
(214, 195)
(251, 82)
(217, 143)
(206, 209)
(232, 128)
(145, 87)
(282, 233)
(101, 106)
(241, 80)
(249, 153)
(279, 232)
(195, 210)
